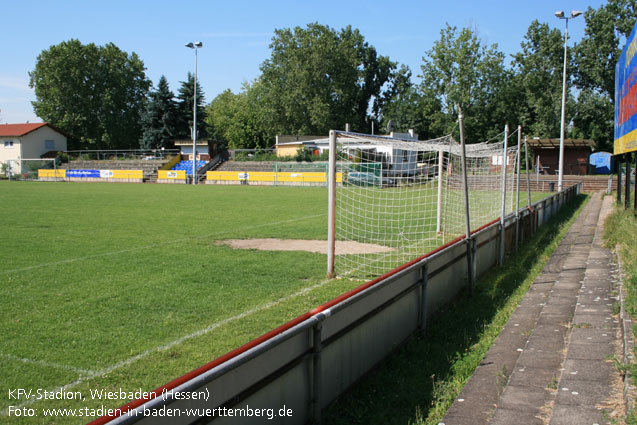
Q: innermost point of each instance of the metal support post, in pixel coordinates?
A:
(619, 180)
(635, 194)
(504, 191)
(317, 370)
(517, 190)
(465, 187)
(331, 208)
(528, 176)
(422, 323)
(628, 156)
(441, 156)
(474, 252)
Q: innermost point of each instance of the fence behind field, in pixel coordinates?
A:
(306, 363)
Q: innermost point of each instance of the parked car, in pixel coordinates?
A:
(357, 178)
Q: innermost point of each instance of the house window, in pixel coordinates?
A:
(49, 144)
(8, 144)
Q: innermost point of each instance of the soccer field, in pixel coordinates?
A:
(125, 287)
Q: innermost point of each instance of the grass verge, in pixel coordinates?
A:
(619, 232)
(419, 383)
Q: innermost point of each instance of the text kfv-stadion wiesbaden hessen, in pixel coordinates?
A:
(22, 397)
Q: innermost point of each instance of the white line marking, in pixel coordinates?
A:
(94, 374)
(139, 248)
(45, 363)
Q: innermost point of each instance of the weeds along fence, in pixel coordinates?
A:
(308, 362)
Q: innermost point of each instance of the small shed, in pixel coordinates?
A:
(206, 149)
(289, 145)
(601, 162)
(546, 155)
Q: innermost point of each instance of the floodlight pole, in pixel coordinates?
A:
(560, 15)
(195, 46)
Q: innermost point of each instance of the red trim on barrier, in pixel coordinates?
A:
(240, 350)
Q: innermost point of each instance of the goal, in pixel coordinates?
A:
(407, 196)
(27, 169)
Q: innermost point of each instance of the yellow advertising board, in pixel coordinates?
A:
(51, 174)
(271, 177)
(127, 174)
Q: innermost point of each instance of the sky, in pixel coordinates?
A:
(236, 34)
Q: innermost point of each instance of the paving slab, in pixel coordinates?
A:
(581, 334)
(582, 393)
(539, 377)
(592, 351)
(577, 415)
(537, 358)
(587, 370)
(503, 416)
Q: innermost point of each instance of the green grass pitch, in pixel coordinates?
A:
(124, 286)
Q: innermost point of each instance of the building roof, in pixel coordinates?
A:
(555, 143)
(19, 130)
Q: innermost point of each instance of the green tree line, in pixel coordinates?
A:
(318, 78)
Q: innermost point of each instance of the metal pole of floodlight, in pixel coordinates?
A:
(195, 46)
(560, 14)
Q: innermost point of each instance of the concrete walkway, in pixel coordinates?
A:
(552, 363)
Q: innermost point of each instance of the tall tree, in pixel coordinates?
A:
(594, 119)
(94, 93)
(598, 52)
(241, 119)
(185, 111)
(408, 109)
(318, 78)
(159, 118)
(595, 58)
(539, 72)
(462, 72)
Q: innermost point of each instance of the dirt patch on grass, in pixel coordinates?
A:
(306, 245)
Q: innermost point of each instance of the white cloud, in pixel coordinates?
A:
(15, 83)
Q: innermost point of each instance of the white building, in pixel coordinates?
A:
(398, 162)
(29, 141)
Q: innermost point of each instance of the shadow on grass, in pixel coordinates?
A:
(418, 383)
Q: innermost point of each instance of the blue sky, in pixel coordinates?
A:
(236, 34)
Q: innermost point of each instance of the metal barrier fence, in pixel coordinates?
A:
(303, 365)
(120, 154)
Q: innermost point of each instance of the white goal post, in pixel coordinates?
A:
(406, 197)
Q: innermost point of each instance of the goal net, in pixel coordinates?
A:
(25, 168)
(400, 198)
